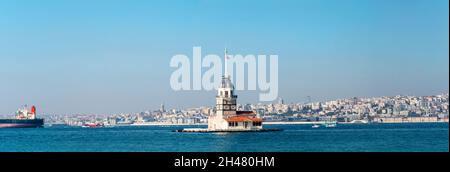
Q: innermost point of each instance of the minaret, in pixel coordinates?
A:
(162, 109)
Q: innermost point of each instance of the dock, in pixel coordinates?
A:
(205, 130)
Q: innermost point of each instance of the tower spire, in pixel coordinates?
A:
(226, 63)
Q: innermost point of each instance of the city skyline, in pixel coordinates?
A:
(241, 105)
(106, 57)
(369, 109)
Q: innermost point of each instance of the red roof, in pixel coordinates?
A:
(241, 119)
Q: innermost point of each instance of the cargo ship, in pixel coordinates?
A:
(24, 119)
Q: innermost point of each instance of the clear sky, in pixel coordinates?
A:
(112, 56)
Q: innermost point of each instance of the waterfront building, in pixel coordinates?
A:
(112, 120)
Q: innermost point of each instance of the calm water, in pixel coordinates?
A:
(343, 138)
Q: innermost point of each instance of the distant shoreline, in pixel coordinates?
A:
(272, 123)
(294, 122)
(266, 123)
(321, 122)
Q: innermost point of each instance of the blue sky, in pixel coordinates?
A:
(111, 56)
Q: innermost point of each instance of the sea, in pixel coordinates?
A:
(405, 137)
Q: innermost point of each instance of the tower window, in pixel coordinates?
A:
(226, 93)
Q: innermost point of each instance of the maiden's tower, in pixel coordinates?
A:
(227, 118)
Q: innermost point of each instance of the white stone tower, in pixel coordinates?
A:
(226, 99)
(225, 102)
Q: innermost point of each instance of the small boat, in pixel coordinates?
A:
(330, 125)
(359, 122)
(91, 125)
(315, 126)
